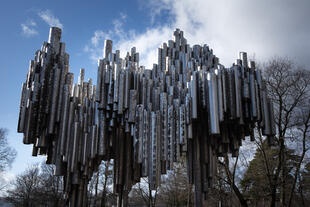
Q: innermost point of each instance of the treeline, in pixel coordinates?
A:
(36, 187)
(262, 173)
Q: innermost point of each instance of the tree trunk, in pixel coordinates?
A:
(283, 177)
(96, 188)
(189, 195)
(239, 195)
(273, 197)
(299, 163)
(150, 197)
(231, 178)
(120, 198)
(104, 190)
(302, 196)
(125, 198)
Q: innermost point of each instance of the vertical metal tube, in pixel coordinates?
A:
(121, 93)
(213, 104)
(54, 100)
(253, 96)
(266, 118)
(194, 96)
(220, 95)
(22, 112)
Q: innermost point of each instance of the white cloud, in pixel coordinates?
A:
(28, 29)
(32, 23)
(123, 15)
(146, 43)
(98, 36)
(95, 47)
(261, 28)
(50, 19)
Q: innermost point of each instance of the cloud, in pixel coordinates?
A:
(261, 28)
(123, 15)
(98, 36)
(28, 31)
(265, 28)
(32, 23)
(28, 28)
(50, 19)
(95, 47)
(145, 43)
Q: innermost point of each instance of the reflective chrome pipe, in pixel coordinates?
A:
(188, 104)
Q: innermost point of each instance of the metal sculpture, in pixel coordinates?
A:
(145, 120)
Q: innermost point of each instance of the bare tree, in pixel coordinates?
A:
(106, 180)
(25, 188)
(142, 192)
(93, 189)
(222, 193)
(36, 187)
(176, 189)
(257, 179)
(7, 154)
(3, 182)
(50, 186)
(288, 87)
(230, 177)
(304, 185)
(302, 131)
(98, 188)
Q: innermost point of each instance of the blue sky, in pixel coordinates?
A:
(262, 28)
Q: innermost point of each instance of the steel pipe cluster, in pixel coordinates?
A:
(187, 105)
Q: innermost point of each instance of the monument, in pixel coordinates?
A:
(144, 120)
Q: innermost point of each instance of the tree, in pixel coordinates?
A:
(273, 173)
(7, 156)
(36, 187)
(302, 131)
(143, 193)
(255, 181)
(98, 189)
(222, 194)
(106, 181)
(50, 186)
(288, 87)
(227, 189)
(230, 177)
(304, 185)
(176, 189)
(25, 188)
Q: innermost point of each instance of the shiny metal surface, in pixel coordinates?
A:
(143, 119)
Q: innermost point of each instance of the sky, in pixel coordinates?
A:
(263, 28)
